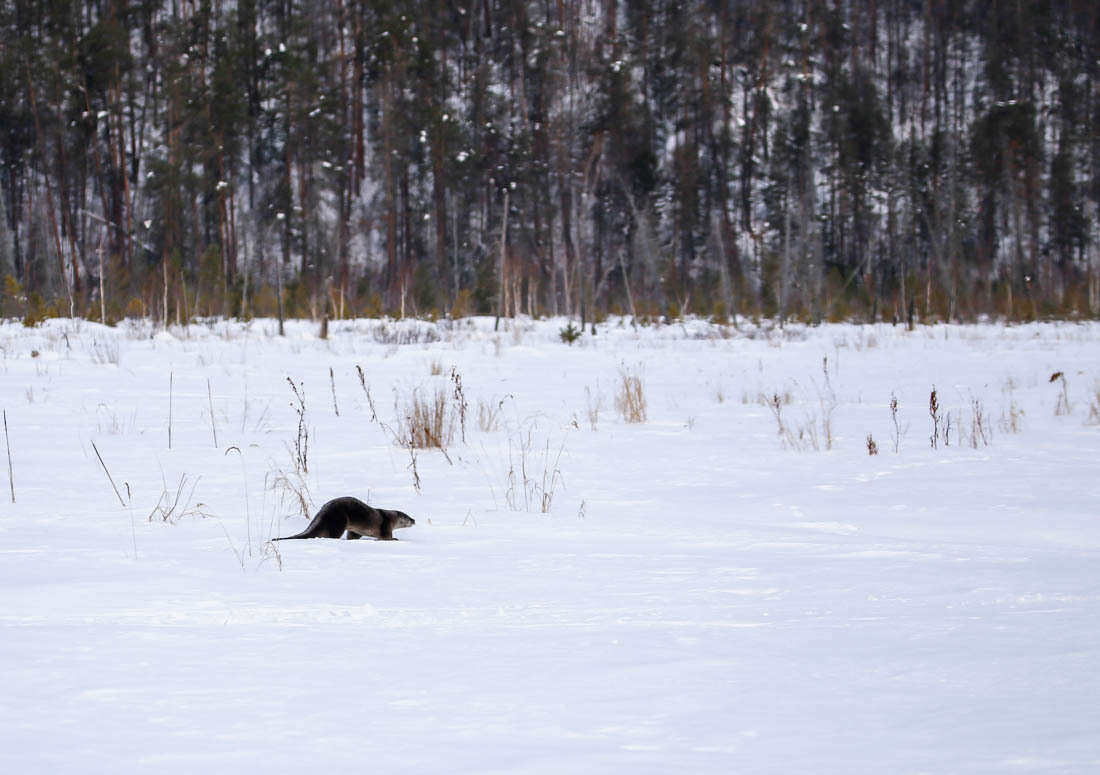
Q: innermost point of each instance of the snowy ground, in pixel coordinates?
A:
(705, 594)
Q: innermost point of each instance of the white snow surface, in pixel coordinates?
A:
(703, 595)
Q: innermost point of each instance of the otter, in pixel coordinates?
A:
(357, 518)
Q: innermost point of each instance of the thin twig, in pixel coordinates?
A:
(109, 477)
(247, 511)
(460, 400)
(332, 381)
(231, 544)
(301, 442)
(412, 466)
(894, 414)
(366, 389)
(210, 400)
(7, 443)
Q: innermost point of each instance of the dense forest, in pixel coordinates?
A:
(795, 159)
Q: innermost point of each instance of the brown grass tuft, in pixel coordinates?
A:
(630, 399)
(428, 422)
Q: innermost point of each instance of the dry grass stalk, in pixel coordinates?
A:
(105, 353)
(294, 488)
(428, 422)
(109, 477)
(593, 405)
(270, 551)
(7, 443)
(366, 390)
(412, 467)
(775, 403)
(764, 399)
(537, 491)
(1062, 407)
(460, 404)
(172, 507)
(1094, 404)
(630, 400)
(210, 401)
(828, 401)
(301, 440)
(332, 382)
(980, 432)
(488, 415)
(894, 415)
(937, 418)
(1011, 418)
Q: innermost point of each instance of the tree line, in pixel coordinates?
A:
(796, 159)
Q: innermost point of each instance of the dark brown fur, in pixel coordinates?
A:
(356, 518)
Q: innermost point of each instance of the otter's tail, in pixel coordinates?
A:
(303, 534)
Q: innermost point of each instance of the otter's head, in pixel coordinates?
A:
(401, 519)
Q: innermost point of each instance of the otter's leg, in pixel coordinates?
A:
(352, 535)
(385, 532)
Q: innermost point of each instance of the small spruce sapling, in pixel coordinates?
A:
(570, 333)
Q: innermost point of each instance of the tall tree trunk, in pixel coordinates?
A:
(40, 142)
(501, 269)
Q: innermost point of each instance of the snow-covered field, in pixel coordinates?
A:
(704, 594)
